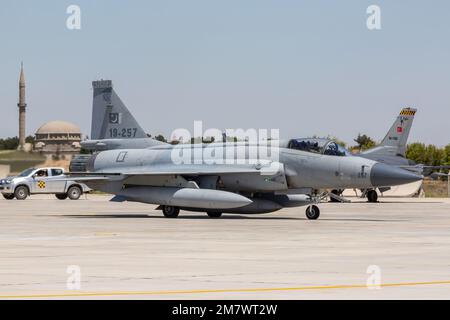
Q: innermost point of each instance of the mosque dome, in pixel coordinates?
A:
(58, 137)
(58, 127)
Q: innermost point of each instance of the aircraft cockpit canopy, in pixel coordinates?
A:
(320, 146)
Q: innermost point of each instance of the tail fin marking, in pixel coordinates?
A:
(398, 134)
(111, 119)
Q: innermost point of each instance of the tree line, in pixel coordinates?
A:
(12, 143)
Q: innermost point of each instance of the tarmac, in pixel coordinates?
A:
(96, 249)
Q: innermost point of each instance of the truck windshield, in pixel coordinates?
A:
(26, 172)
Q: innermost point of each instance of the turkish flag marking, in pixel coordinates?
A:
(399, 129)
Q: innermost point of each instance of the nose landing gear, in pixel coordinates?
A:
(312, 212)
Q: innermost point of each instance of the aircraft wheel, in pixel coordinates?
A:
(170, 212)
(21, 193)
(74, 193)
(61, 196)
(214, 214)
(372, 196)
(8, 196)
(312, 212)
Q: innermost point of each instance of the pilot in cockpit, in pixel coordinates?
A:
(332, 149)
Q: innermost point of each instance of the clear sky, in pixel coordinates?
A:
(305, 67)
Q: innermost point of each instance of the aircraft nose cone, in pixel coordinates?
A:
(383, 175)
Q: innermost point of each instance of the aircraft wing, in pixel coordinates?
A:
(88, 176)
(80, 178)
(173, 169)
(436, 175)
(192, 170)
(424, 169)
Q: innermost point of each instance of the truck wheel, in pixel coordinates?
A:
(214, 214)
(8, 196)
(21, 193)
(74, 193)
(61, 196)
(170, 212)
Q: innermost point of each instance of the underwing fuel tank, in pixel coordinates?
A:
(264, 205)
(183, 197)
(258, 205)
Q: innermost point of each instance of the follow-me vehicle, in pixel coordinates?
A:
(41, 181)
(143, 170)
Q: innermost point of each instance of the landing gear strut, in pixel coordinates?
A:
(372, 196)
(170, 212)
(312, 212)
(335, 192)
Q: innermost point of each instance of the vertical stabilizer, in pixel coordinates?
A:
(398, 134)
(110, 117)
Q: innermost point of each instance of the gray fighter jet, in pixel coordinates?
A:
(201, 177)
(392, 148)
(391, 151)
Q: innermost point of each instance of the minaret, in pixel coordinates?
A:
(22, 106)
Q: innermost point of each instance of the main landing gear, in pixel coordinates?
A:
(214, 214)
(170, 211)
(372, 196)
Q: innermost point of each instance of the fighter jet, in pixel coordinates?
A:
(392, 151)
(224, 177)
(392, 148)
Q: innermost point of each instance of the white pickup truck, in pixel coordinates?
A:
(41, 181)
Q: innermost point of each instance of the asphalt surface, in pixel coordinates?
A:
(128, 250)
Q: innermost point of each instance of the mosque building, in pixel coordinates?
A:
(59, 138)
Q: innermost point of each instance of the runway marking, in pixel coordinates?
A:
(104, 234)
(248, 290)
